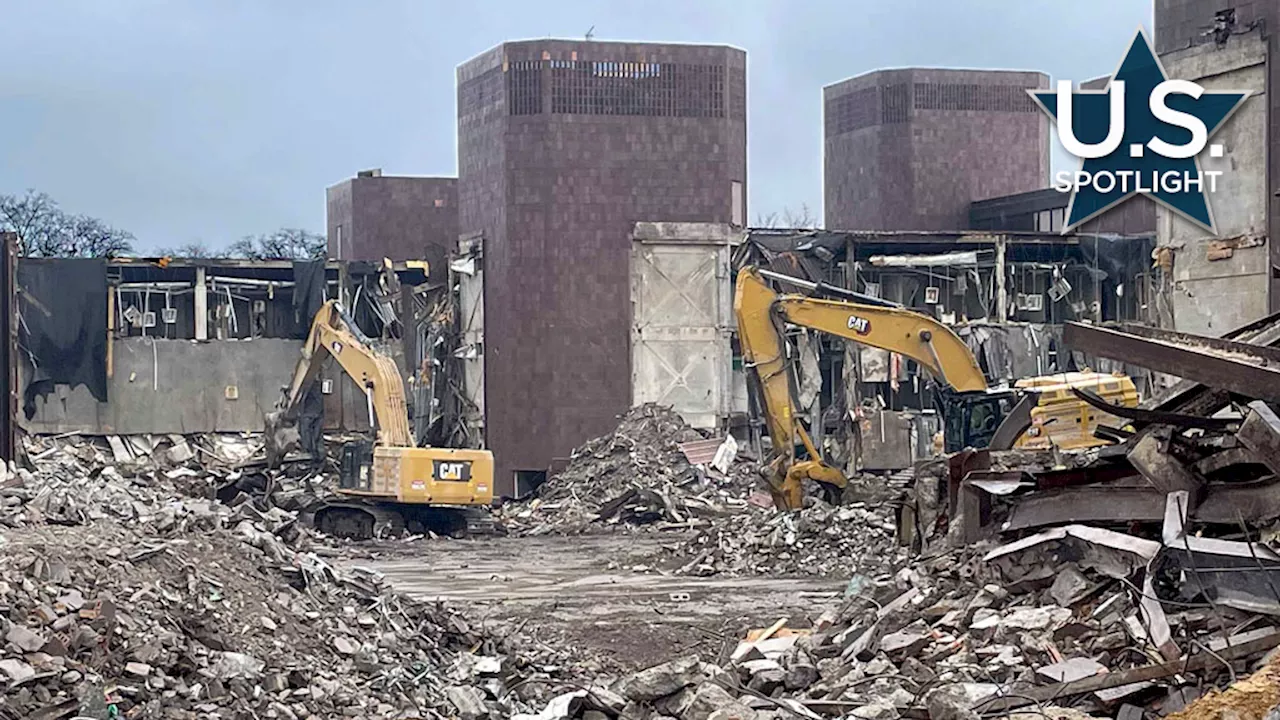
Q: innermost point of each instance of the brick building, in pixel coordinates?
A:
(909, 149)
(562, 147)
(374, 216)
(1200, 25)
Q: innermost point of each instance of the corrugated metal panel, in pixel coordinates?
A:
(680, 352)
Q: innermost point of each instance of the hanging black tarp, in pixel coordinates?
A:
(308, 292)
(63, 307)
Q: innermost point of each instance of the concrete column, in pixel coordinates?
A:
(202, 305)
(1002, 292)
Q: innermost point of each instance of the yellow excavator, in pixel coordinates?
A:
(1037, 412)
(387, 484)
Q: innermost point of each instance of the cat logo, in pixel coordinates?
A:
(860, 325)
(453, 471)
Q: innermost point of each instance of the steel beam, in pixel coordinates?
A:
(1224, 504)
(1195, 399)
(1225, 344)
(1239, 370)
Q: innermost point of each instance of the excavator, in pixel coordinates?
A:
(388, 484)
(1037, 413)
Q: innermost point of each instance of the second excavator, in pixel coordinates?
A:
(387, 483)
(1036, 412)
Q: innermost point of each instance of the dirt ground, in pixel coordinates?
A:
(600, 593)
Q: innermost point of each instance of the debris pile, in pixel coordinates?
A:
(120, 597)
(819, 540)
(636, 475)
(1121, 581)
(1055, 627)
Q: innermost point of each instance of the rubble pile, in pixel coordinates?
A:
(120, 598)
(1125, 581)
(819, 540)
(1052, 628)
(636, 475)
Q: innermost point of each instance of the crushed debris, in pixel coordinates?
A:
(637, 475)
(818, 540)
(121, 596)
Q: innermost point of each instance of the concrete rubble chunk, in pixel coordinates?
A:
(1040, 618)
(469, 702)
(1070, 587)
(25, 639)
(950, 703)
(710, 698)
(661, 680)
(16, 670)
(677, 703)
(734, 713)
(800, 675)
(1072, 669)
(906, 642)
(232, 665)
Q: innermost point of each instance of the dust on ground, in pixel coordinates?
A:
(606, 595)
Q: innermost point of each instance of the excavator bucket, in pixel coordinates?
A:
(281, 435)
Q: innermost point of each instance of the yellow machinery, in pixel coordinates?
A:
(391, 483)
(1061, 419)
(973, 415)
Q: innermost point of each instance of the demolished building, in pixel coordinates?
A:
(201, 345)
(877, 410)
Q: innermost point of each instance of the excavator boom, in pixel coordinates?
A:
(334, 333)
(1048, 413)
(389, 483)
(762, 314)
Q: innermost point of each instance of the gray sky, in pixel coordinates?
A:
(205, 121)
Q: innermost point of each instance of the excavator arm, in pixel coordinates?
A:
(335, 334)
(762, 316)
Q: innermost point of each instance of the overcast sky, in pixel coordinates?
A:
(205, 120)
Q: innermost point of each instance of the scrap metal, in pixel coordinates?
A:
(1236, 367)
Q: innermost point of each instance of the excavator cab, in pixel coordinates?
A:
(355, 471)
(971, 419)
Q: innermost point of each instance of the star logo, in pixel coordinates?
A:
(1143, 134)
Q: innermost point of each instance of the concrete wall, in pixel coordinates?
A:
(1213, 296)
(1183, 23)
(179, 386)
(562, 147)
(910, 149)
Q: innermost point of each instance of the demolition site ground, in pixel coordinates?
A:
(176, 578)
(608, 595)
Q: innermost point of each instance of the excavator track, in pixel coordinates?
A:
(372, 520)
(358, 521)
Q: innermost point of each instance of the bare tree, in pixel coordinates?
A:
(188, 250)
(85, 236)
(802, 219)
(283, 244)
(46, 230)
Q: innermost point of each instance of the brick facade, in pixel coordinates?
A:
(370, 217)
(910, 149)
(562, 147)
